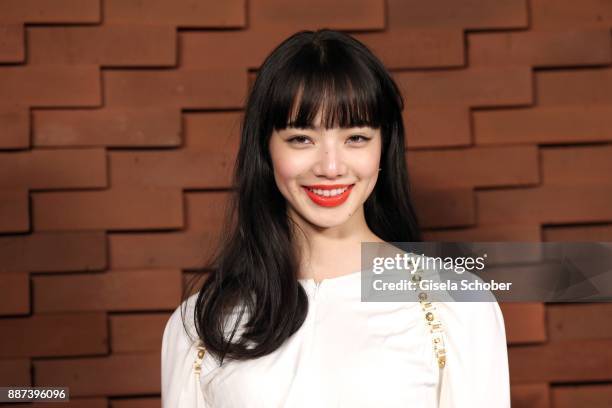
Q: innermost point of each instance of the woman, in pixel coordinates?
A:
(279, 323)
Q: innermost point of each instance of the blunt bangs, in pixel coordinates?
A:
(324, 77)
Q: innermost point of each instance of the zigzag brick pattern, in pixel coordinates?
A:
(119, 126)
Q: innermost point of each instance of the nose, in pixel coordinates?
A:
(330, 163)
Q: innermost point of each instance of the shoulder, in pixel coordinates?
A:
(477, 369)
(180, 334)
(473, 313)
(178, 354)
(472, 318)
(180, 327)
(468, 323)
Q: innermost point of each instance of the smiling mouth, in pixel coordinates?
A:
(329, 197)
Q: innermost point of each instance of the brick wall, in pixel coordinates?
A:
(118, 127)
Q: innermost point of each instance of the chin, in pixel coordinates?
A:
(330, 224)
(330, 220)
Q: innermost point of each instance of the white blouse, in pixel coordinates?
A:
(353, 354)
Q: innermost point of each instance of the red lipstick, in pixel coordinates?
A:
(328, 201)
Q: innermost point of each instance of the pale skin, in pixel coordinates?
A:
(327, 156)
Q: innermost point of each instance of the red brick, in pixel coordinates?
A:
(311, 14)
(216, 132)
(592, 396)
(473, 87)
(53, 252)
(475, 167)
(51, 85)
(447, 207)
(206, 211)
(115, 375)
(577, 165)
(138, 332)
(69, 334)
(180, 168)
(203, 88)
(136, 403)
(563, 361)
(168, 250)
(525, 322)
(533, 280)
(578, 233)
(542, 125)
(515, 256)
(546, 204)
(418, 48)
(117, 290)
(193, 281)
(130, 127)
(423, 127)
(115, 209)
(251, 76)
(450, 13)
(591, 86)
(236, 48)
(14, 294)
(568, 13)
(14, 211)
(11, 42)
(541, 48)
(487, 233)
(53, 169)
(15, 372)
(579, 321)
(530, 396)
(108, 45)
(184, 13)
(57, 11)
(15, 124)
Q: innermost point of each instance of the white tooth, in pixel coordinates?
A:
(328, 193)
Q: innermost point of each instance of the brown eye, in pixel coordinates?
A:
(359, 138)
(298, 139)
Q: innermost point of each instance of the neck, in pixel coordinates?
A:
(333, 251)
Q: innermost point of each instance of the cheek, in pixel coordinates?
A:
(367, 165)
(288, 169)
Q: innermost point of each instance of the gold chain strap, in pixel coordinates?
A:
(197, 364)
(435, 325)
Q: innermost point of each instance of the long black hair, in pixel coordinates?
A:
(255, 267)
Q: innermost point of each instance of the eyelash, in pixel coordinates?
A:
(291, 140)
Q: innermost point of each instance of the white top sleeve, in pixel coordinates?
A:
(476, 373)
(180, 385)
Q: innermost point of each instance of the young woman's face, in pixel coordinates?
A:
(325, 174)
